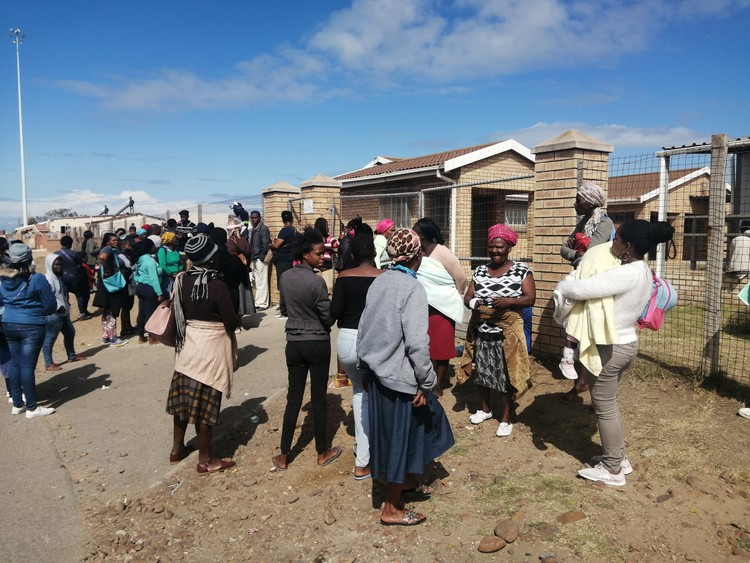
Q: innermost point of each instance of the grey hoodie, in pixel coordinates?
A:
(392, 339)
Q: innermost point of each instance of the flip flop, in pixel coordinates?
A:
(338, 450)
(362, 477)
(410, 518)
(202, 468)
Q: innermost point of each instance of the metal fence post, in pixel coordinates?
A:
(716, 217)
(663, 206)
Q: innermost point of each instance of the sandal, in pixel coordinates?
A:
(410, 518)
(182, 455)
(340, 382)
(203, 469)
(277, 466)
(419, 493)
(334, 457)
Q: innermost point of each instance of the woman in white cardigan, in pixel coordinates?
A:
(630, 286)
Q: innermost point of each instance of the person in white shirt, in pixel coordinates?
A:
(630, 286)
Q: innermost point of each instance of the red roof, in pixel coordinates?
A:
(428, 161)
(635, 186)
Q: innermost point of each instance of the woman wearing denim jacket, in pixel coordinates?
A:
(27, 300)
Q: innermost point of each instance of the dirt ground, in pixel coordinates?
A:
(686, 500)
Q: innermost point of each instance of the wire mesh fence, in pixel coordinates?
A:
(709, 329)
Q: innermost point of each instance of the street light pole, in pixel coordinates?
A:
(17, 40)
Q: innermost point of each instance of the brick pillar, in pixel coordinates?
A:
(276, 198)
(562, 163)
(319, 195)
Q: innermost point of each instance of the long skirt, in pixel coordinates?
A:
(192, 401)
(404, 439)
(490, 369)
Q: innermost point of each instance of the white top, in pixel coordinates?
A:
(630, 285)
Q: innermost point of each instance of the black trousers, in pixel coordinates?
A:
(147, 303)
(303, 356)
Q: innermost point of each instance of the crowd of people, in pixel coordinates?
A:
(397, 295)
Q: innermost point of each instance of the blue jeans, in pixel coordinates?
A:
(25, 343)
(55, 325)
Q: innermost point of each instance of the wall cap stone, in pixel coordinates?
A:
(282, 187)
(320, 181)
(572, 139)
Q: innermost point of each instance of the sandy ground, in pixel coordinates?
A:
(92, 482)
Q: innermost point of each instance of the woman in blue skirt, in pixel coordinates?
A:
(408, 427)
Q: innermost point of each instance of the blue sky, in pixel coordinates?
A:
(178, 102)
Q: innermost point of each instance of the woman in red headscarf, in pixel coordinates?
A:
(495, 351)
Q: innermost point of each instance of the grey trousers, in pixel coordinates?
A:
(615, 360)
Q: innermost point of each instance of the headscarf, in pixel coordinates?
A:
(167, 237)
(593, 193)
(140, 232)
(383, 225)
(403, 245)
(503, 232)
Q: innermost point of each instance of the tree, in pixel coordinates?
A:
(58, 213)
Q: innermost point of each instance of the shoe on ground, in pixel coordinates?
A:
(601, 474)
(568, 369)
(85, 317)
(10, 399)
(39, 411)
(116, 342)
(480, 416)
(53, 367)
(505, 429)
(18, 410)
(259, 308)
(7, 394)
(76, 358)
(627, 469)
(744, 412)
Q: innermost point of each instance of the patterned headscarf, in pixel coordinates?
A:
(167, 237)
(403, 245)
(503, 232)
(593, 193)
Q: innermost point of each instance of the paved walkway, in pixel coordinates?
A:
(110, 436)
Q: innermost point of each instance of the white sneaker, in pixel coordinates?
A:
(505, 429)
(627, 469)
(18, 410)
(600, 473)
(744, 412)
(568, 369)
(10, 399)
(39, 411)
(480, 416)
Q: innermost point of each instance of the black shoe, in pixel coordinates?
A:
(85, 317)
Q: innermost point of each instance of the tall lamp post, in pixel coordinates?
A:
(17, 40)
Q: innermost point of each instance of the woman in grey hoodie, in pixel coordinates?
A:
(408, 427)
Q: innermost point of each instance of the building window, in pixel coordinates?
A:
(396, 208)
(619, 217)
(516, 215)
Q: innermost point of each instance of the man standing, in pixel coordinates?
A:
(260, 241)
(74, 277)
(282, 255)
(184, 227)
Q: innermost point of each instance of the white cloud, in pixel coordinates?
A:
(622, 137)
(391, 44)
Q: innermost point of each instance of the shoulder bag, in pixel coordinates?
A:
(162, 324)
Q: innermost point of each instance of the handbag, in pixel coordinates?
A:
(115, 282)
(162, 324)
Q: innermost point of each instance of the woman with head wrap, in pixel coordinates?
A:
(205, 353)
(110, 299)
(383, 229)
(28, 299)
(495, 341)
(594, 228)
(169, 259)
(408, 427)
